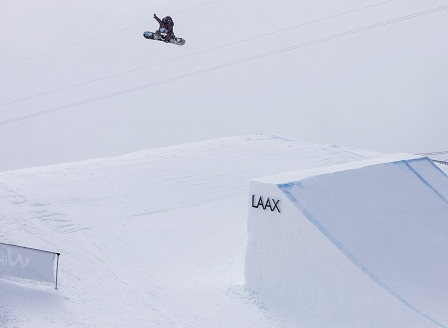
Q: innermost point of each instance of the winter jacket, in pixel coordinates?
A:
(166, 23)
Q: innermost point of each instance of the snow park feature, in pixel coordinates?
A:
(158, 238)
(361, 244)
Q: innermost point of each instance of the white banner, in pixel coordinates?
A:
(26, 263)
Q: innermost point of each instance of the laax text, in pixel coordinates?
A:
(272, 204)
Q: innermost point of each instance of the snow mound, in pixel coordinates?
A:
(150, 239)
(357, 244)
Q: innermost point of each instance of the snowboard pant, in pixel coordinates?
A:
(169, 34)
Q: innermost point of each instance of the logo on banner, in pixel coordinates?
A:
(9, 261)
(272, 204)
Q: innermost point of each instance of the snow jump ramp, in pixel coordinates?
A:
(363, 244)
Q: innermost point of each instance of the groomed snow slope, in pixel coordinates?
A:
(383, 220)
(151, 239)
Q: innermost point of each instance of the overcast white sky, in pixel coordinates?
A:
(384, 89)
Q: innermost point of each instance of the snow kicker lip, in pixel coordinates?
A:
(350, 255)
(387, 216)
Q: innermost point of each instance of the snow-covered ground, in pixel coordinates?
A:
(359, 244)
(157, 238)
(151, 239)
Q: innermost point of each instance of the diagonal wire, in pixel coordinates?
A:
(101, 36)
(248, 59)
(435, 153)
(193, 54)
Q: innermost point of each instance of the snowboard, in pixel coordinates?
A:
(161, 37)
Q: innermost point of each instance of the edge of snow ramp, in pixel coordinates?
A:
(388, 216)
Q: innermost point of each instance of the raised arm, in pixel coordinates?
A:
(158, 19)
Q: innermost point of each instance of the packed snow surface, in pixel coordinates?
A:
(151, 239)
(382, 219)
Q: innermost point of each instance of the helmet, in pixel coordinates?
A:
(169, 20)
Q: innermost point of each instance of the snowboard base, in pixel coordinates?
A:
(161, 37)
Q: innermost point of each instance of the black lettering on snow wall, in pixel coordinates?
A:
(271, 203)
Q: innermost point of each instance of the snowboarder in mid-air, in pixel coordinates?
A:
(166, 27)
(165, 32)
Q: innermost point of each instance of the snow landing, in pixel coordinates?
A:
(359, 242)
(155, 238)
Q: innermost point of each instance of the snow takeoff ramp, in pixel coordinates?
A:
(363, 244)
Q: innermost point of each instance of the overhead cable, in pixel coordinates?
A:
(193, 54)
(248, 59)
(101, 36)
(434, 153)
